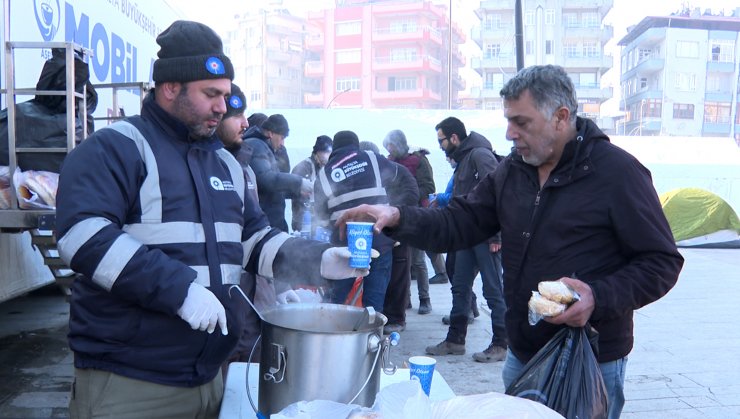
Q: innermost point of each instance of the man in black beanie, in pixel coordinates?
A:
(352, 177)
(274, 185)
(307, 169)
(234, 123)
(155, 218)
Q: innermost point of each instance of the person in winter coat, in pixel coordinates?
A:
(307, 169)
(570, 206)
(155, 218)
(475, 159)
(274, 186)
(352, 177)
(417, 163)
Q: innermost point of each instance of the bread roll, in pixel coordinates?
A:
(556, 291)
(545, 307)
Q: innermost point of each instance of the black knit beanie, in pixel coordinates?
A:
(323, 143)
(190, 51)
(345, 138)
(236, 103)
(276, 123)
(256, 119)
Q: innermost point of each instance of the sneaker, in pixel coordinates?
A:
(494, 353)
(425, 306)
(446, 319)
(440, 278)
(393, 327)
(446, 348)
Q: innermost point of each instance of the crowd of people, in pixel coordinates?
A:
(163, 213)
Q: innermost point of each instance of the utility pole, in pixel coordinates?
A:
(449, 64)
(519, 35)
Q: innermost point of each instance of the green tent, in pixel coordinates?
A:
(699, 217)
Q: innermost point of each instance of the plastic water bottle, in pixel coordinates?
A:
(306, 224)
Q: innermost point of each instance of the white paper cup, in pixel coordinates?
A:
(422, 368)
(360, 244)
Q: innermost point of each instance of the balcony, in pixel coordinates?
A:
(427, 63)
(277, 55)
(720, 67)
(503, 61)
(604, 62)
(603, 5)
(648, 65)
(315, 41)
(594, 92)
(494, 5)
(421, 34)
(480, 34)
(314, 99)
(603, 34)
(394, 95)
(314, 68)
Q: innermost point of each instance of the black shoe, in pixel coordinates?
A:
(446, 319)
(425, 306)
(440, 278)
(409, 306)
(476, 313)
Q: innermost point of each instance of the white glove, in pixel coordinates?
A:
(202, 310)
(335, 264)
(306, 187)
(287, 297)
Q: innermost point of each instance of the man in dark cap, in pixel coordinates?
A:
(273, 184)
(307, 169)
(234, 123)
(352, 177)
(154, 216)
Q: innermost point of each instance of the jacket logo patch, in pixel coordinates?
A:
(221, 185)
(337, 175)
(350, 169)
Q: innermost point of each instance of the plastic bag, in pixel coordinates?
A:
(5, 185)
(316, 409)
(404, 400)
(565, 376)
(36, 189)
(491, 406)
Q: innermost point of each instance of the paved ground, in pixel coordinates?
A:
(685, 363)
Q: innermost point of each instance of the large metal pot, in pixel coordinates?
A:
(321, 351)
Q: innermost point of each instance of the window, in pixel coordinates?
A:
(683, 111)
(652, 108)
(549, 17)
(255, 96)
(349, 83)
(548, 47)
(571, 20)
(529, 47)
(401, 83)
(494, 81)
(714, 82)
(403, 26)
(586, 79)
(717, 112)
(348, 28)
(686, 82)
(348, 56)
(570, 49)
(529, 18)
(644, 54)
(590, 20)
(643, 83)
(722, 51)
(591, 49)
(687, 49)
(403, 55)
(492, 50)
(493, 21)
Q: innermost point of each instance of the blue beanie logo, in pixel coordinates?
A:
(235, 102)
(215, 66)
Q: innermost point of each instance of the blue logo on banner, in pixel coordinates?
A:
(215, 66)
(47, 18)
(235, 102)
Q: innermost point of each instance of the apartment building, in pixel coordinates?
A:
(680, 75)
(569, 33)
(266, 49)
(383, 54)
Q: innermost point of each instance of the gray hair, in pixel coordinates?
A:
(398, 139)
(549, 86)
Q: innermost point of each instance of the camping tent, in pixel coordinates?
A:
(700, 218)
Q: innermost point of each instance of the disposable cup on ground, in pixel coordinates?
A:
(422, 368)
(360, 243)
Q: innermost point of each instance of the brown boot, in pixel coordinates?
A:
(446, 348)
(494, 353)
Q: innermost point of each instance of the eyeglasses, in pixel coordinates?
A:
(441, 140)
